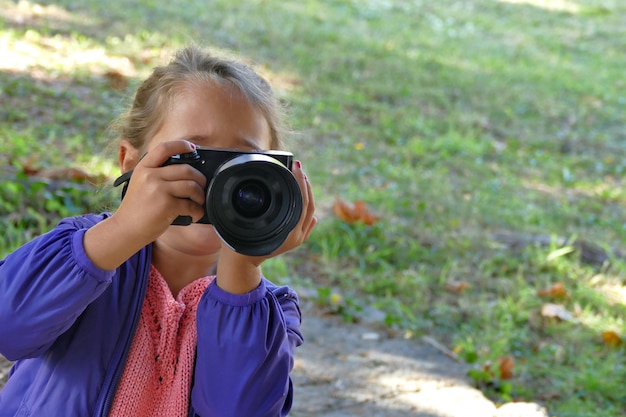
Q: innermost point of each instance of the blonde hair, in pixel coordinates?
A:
(154, 96)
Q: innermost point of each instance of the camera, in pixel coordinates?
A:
(252, 198)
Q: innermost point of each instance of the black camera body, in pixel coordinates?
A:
(252, 198)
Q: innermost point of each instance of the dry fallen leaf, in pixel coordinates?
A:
(554, 291)
(117, 80)
(611, 338)
(456, 287)
(29, 168)
(69, 174)
(358, 212)
(507, 363)
(556, 311)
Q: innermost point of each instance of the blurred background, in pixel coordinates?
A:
(468, 161)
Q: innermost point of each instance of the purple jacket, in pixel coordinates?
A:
(69, 325)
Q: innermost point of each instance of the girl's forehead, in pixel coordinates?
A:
(219, 115)
(213, 94)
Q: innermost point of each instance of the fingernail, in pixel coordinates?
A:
(299, 164)
(193, 145)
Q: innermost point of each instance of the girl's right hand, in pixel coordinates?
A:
(156, 195)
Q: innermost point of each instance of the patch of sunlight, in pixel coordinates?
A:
(605, 190)
(611, 287)
(282, 83)
(43, 55)
(46, 56)
(433, 396)
(26, 13)
(102, 165)
(389, 380)
(403, 383)
(556, 5)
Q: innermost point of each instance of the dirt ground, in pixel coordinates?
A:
(346, 370)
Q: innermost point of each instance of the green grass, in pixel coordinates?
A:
(458, 123)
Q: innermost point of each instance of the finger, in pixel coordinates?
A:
(187, 207)
(301, 179)
(308, 201)
(311, 219)
(186, 189)
(298, 172)
(164, 150)
(181, 172)
(309, 230)
(181, 181)
(167, 197)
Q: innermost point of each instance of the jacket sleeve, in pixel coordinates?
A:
(245, 352)
(45, 285)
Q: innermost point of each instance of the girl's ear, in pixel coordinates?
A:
(127, 155)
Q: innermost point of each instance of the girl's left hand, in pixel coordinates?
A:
(239, 273)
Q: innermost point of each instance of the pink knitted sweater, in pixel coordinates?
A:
(158, 374)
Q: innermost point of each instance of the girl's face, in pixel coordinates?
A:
(215, 116)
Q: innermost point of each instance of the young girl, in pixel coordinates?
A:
(126, 315)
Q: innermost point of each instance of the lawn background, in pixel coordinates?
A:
(487, 136)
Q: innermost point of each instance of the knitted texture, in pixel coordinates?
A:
(158, 373)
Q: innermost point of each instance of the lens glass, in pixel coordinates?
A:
(251, 199)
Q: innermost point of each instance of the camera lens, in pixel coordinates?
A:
(251, 199)
(254, 202)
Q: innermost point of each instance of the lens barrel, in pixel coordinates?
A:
(253, 201)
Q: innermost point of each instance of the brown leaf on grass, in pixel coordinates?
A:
(354, 213)
(556, 311)
(117, 80)
(554, 291)
(69, 174)
(611, 338)
(507, 363)
(29, 168)
(456, 287)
